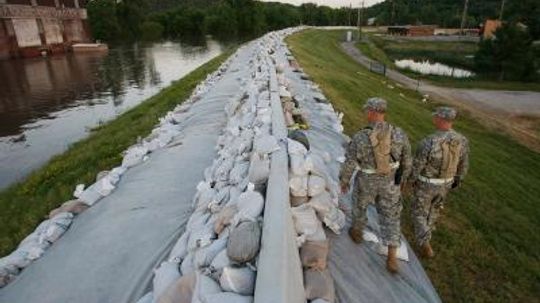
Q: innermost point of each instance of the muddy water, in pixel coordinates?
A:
(46, 104)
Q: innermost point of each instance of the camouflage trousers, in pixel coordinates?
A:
(385, 195)
(426, 207)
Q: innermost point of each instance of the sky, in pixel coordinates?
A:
(333, 3)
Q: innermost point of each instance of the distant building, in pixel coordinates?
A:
(29, 28)
(412, 30)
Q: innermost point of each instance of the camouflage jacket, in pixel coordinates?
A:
(429, 156)
(360, 154)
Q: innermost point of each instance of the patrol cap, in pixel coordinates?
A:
(375, 104)
(446, 113)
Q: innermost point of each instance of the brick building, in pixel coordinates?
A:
(28, 28)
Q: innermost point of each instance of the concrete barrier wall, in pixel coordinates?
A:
(279, 277)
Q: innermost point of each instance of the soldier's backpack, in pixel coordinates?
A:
(451, 151)
(381, 141)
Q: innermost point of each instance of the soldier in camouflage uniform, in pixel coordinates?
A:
(440, 164)
(382, 154)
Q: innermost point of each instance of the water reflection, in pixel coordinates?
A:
(48, 103)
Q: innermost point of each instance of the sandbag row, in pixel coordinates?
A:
(49, 231)
(313, 195)
(215, 260)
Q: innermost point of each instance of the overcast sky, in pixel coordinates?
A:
(334, 3)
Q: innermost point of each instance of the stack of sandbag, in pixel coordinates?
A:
(215, 259)
(49, 231)
(294, 116)
(34, 246)
(313, 204)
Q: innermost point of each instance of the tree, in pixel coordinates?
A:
(151, 30)
(102, 19)
(509, 54)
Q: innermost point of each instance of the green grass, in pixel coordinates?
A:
(26, 204)
(487, 242)
(457, 54)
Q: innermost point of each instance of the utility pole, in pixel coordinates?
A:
(502, 10)
(464, 16)
(392, 16)
(350, 11)
(358, 24)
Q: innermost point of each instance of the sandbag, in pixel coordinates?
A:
(319, 285)
(295, 147)
(204, 286)
(204, 256)
(201, 236)
(250, 205)
(316, 185)
(228, 297)
(306, 223)
(265, 144)
(180, 291)
(179, 250)
(335, 220)
(244, 242)
(148, 298)
(225, 217)
(259, 168)
(220, 261)
(134, 155)
(56, 227)
(298, 185)
(316, 165)
(298, 166)
(187, 265)
(73, 206)
(238, 280)
(164, 276)
(223, 170)
(297, 201)
(322, 204)
(239, 172)
(314, 254)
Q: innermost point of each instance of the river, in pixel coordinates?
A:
(46, 104)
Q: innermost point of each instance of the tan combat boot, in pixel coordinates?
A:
(392, 261)
(356, 235)
(427, 251)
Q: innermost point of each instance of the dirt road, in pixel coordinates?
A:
(511, 111)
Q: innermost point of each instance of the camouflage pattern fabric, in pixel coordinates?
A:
(379, 189)
(430, 198)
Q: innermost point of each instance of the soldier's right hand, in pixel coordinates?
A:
(344, 189)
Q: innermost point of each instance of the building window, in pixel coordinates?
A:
(46, 3)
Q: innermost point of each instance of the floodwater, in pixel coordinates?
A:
(428, 68)
(46, 104)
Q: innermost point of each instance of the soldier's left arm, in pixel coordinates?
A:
(463, 165)
(405, 162)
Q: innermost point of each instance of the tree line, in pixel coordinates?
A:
(225, 19)
(448, 13)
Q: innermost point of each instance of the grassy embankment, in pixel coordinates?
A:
(24, 205)
(456, 54)
(487, 243)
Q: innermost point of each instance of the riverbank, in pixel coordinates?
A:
(483, 242)
(25, 204)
